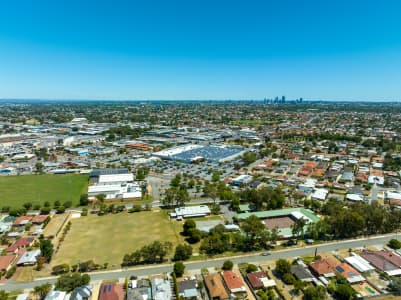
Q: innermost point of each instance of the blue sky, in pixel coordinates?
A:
(192, 49)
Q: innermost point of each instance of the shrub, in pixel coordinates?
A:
(394, 244)
(228, 265)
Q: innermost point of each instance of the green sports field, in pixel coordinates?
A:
(37, 189)
(107, 238)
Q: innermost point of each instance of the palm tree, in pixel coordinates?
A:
(41, 290)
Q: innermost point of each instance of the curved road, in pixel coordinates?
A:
(210, 263)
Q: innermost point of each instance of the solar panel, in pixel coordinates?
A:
(339, 269)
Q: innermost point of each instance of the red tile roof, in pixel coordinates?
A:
(254, 279)
(321, 266)
(22, 220)
(111, 291)
(232, 280)
(390, 256)
(5, 261)
(21, 243)
(39, 219)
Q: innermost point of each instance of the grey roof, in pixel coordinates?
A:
(29, 257)
(81, 293)
(301, 272)
(186, 285)
(98, 172)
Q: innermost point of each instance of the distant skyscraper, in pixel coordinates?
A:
(283, 99)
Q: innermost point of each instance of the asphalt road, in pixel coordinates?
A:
(211, 263)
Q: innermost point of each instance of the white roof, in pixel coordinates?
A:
(136, 194)
(56, 295)
(176, 150)
(393, 195)
(378, 179)
(23, 296)
(298, 215)
(29, 257)
(267, 282)
(188, 211)
(354, 197)
(359, 263)
(116, 178)
(104, 188)
(320, 194)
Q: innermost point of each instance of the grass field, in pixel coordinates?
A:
(37, 189)
(107, 238)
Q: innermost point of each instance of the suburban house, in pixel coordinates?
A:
(24, 242)
(188, 289)
(139, 290)
(56, 295)
(381, 263)
(22, 220)
(81, 293)
(259, 279)
(359, 263)
(215, 287)
(322, 267)
(39, 219)
(233, 282)
(161, 289)
(6, 262)
(345, 270)
(302, 273)
(111, 291)
(29, 258)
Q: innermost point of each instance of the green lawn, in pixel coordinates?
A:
(107, 238)
(17, 190)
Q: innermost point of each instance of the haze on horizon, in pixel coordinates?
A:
(194, 50)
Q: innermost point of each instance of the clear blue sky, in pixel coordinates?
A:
(200, 49)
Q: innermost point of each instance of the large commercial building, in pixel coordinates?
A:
(192, 152)
(115, 184)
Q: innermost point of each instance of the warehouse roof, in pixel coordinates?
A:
(279, 212)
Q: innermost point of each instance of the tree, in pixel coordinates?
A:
(3, 295)
(42, 290)
(283, 266)
(175, 182)
(182, 252)
(60, 209)
(344, 292)
(394, 244)
(395, 285)
(210, 190)
(255, 232)
(60, 269)
(179, 268)
(188, 224)
(101, 197)
(69, 282)
(216, 176)
(227, 265)
(251, 268)
(27, 205)
(39, 167)
(46, 248)
(298, 228)
(83, 200)
(315, 293)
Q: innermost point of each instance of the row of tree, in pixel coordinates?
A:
(155, 252)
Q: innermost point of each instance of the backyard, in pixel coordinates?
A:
(107, 238)
(37, 189)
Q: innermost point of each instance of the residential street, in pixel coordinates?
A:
(250, 258)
